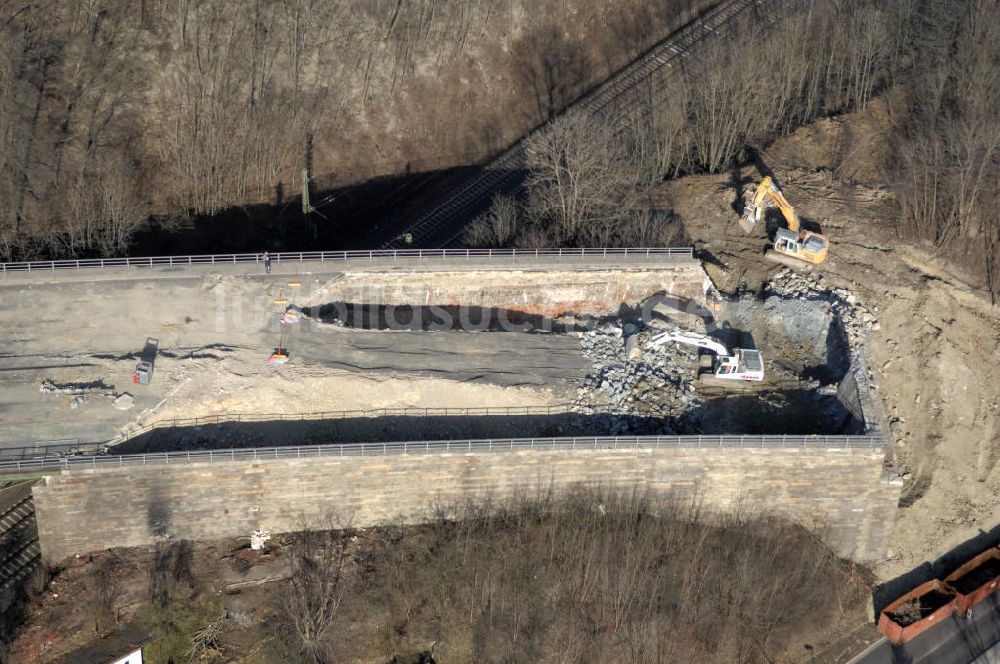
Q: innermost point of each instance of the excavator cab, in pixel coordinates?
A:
(806, 246)
(726, 366)
(741, 364)
(746, 364)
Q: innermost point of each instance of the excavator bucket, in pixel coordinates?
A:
(750, 213)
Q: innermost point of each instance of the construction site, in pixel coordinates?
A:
(595, 349)
(541, 337)
(629, 369)
(763, 427)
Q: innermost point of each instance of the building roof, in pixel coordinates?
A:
(124, 640)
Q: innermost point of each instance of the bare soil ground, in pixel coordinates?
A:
(936, 333)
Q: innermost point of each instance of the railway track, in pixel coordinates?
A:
(637, 86)
(20, 552)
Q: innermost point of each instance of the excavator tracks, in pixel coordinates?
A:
(796, 263)
(724, 388)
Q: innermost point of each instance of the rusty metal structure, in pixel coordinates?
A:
(933, 601)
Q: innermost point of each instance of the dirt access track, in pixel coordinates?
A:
(216, 327)
(937, 339)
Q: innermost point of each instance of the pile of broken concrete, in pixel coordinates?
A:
(639, 390)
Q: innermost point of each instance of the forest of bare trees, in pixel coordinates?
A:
(584, 188)
(949, 174)
(115, 110)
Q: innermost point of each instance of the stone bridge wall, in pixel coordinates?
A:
(839, 492)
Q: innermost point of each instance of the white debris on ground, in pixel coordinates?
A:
(123, 401)
(642, 391)
(857, 319)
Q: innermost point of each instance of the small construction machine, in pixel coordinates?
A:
(144, 369)
(742, 364)
(791, 246)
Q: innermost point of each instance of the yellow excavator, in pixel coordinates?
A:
(791, 246)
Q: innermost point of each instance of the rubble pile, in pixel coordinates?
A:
(857, 319)
(641, 390)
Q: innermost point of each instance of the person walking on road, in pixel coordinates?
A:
(267, 263)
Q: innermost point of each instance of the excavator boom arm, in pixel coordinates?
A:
(767, 188)
(700, 341)
(791, 217)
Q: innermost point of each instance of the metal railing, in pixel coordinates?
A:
(60, 447)
(489, 255)
(448, 446)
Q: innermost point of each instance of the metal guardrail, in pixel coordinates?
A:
(60, 447)
(514, 255)
(449, 446)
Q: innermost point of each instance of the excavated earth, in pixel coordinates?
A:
(802, 336)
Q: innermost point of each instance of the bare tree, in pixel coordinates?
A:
(661, 135)
(721, 112)
(311, 600)
(950, 159)
(583, 183)
(104, 594)
(170, 572)
(121, 208)
(496, 227)
(551, 66)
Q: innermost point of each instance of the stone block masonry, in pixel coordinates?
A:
(840, 492)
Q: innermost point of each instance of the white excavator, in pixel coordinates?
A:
(792, 246)
(742, 364)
